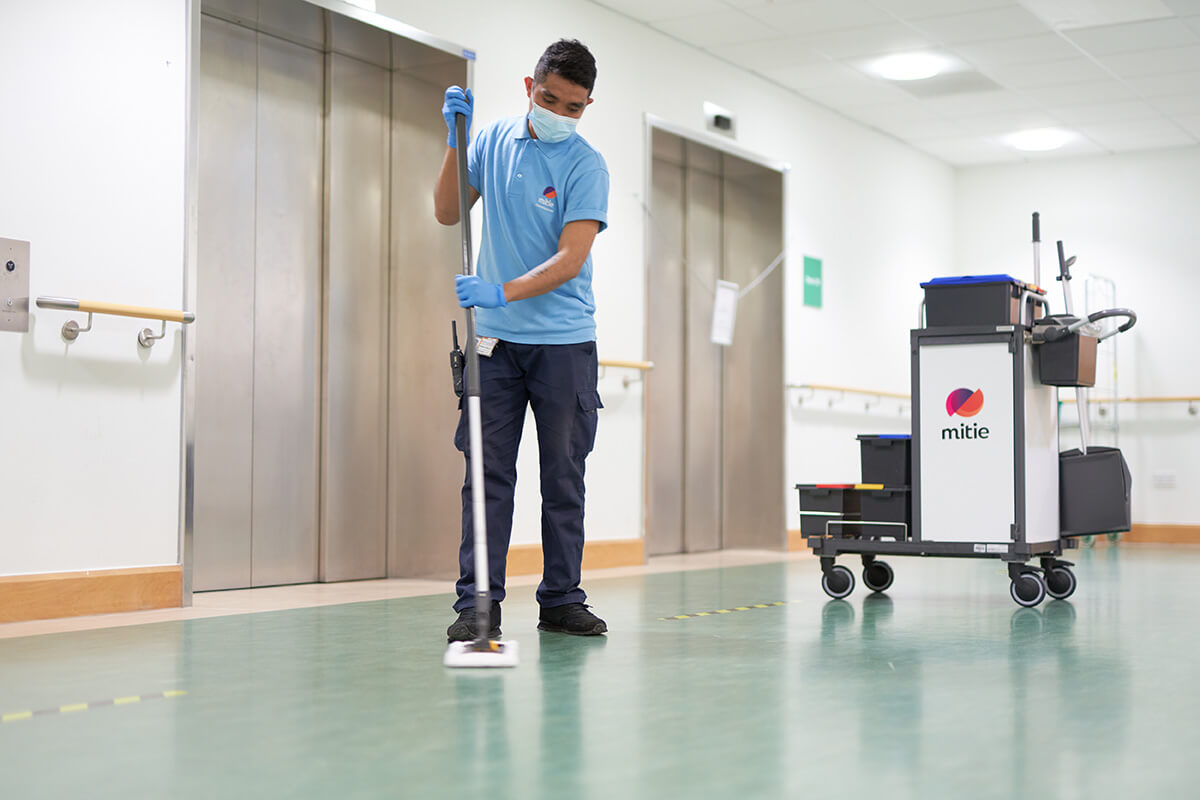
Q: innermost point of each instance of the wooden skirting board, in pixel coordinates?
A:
(526, 559)
(1140, 534)
(77, 594)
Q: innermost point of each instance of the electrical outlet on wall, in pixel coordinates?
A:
(1163, 480)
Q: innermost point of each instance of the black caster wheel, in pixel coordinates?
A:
(1028, 589)
(878, 576)
(1060, 582)
(838, 582)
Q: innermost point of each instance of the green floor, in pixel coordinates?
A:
(942, 688)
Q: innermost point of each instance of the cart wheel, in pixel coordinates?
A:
(878, 576)
(1028, 590)
(1060, 583)
(838, 582)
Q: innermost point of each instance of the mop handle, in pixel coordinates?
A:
(1037, 250)
(483, 605)
(1064, 275)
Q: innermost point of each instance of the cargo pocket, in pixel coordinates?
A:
(585, 422)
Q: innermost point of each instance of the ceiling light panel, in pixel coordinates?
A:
(908, 66)
(1039, 140)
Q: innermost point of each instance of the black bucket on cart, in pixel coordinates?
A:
(1093, 492)
(892, 505)
(828, 502)
(886, 458)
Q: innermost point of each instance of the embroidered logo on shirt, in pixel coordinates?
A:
(546, 201)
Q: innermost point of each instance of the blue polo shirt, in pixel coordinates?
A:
(530, 190)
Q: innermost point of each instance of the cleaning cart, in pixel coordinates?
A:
(983, 474)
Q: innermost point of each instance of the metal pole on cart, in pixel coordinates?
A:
(1037, 250)
(1064, 275)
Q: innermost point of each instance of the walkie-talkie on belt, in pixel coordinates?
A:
(457, 361)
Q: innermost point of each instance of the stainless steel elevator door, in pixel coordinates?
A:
(702, 380)
(715, 417)
(753, 414)
(425, 471)
(354, 511)
(259, 284)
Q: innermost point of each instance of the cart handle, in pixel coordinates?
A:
(1054, 334)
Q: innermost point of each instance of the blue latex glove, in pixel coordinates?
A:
(474, 292)
(458, 101)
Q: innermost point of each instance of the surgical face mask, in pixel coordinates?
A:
(550, 127)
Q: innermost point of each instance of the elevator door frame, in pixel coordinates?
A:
(186, 531)
(724, 146)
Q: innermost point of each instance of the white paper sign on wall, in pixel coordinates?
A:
(724, 312)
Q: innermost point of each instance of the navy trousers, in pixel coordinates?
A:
(559, 383)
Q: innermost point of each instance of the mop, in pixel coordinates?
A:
(482, 652)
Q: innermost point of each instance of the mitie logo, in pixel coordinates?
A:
(546, 201)
(965, 403)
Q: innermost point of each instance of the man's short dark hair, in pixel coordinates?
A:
(570, 59)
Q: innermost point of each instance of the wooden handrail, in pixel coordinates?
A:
(848, 390)
(1135, 399)
(642, 365)
(116, 309)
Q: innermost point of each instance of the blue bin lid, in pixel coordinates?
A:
(862, 436)
(970, 280)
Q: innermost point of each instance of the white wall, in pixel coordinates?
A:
(876, 212)
(92, 174)
(1131, 218)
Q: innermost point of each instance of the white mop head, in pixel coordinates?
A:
(465, 654)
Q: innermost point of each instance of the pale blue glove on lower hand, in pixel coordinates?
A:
(457, 101)
(474, 292)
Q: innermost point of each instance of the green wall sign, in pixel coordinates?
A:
(812, 281)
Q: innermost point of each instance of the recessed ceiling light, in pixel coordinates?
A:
(1040, 139)
(909, 66)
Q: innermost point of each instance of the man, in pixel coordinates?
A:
(545, 197)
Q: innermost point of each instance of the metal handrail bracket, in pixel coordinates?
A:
(146, 337)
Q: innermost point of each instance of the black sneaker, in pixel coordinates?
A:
(573, 618)
(463, 629)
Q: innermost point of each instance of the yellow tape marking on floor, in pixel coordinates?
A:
(724, 611)
(72, 708)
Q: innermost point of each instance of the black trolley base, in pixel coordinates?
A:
(1029, 584)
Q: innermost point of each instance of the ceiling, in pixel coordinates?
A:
(1120, 75)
